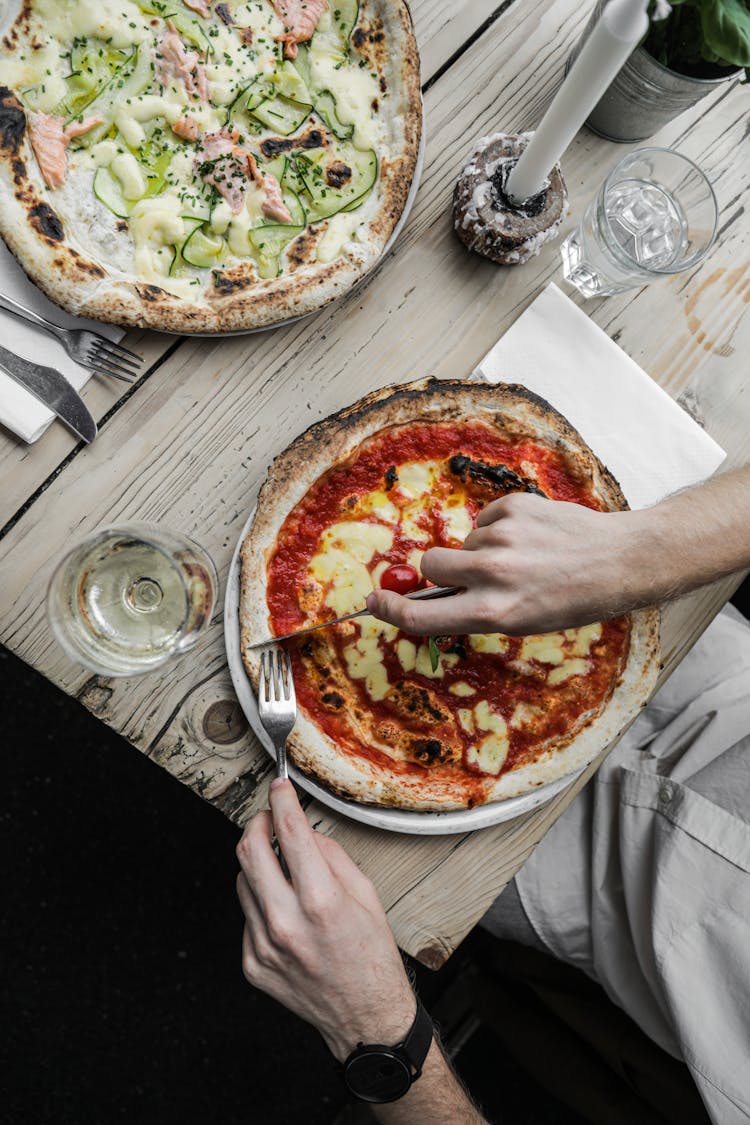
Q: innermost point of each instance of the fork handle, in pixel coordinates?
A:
(281, 766)
(23, 313)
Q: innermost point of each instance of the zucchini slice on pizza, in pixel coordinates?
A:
(398, 720)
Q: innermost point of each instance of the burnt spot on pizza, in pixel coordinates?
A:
(12, 121)
(428, 751)
(225, 284)
(375, 105)
(416, 702)
(369, 41)
(382, 84)
(19, 27)
(18, 168)
(301, 252)
(313, 138)
(122, 226)
(222, 11)
(44, 220)
(391, 476)
(333, 700)
(150, 292)
(338, 174)
(499, 478)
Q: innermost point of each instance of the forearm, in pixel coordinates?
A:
(692, 538)
(437, 1096)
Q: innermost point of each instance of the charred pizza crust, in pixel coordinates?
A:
(518, 413)
(62, 264)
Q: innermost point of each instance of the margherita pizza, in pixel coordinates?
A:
(199, 166)
(406, 721)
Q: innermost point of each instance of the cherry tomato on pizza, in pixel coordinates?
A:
(401, 578)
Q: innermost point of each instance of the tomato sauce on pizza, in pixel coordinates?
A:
(482, 704)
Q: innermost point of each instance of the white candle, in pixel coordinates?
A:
(622, 25)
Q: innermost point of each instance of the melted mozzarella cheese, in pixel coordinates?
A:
(575, 666)
(406, 651)
(340, 563)
(584, 638)
(489, 754)
(377, 504)
(130, 174)
(489, 642)
(340, 229)
(546, 648)
(360, 539)
(457, 522)
(410, 527)
(416, 478)
(117, 22)
(462, 689)
(364, 661)
(523, 714)
(466, 719)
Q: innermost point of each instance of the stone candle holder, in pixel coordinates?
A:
(487, 221)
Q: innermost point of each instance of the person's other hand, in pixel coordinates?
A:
(320, 942)
(532, 565)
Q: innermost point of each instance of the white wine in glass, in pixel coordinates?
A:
(128, 598)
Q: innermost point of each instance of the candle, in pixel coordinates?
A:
(622, 25)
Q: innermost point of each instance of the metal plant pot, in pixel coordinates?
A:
(645, 95)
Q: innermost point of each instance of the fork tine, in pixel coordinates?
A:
(292, 696)
(262, 684)
(278, 687)
(112, 345)
(106, 371)
(103, 356)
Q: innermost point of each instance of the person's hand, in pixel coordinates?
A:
(320, 942)
(531, 566)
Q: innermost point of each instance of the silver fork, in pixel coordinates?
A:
(277, 702)
(87, 348)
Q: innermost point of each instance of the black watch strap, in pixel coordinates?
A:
(378, 1073)
(418, 1038)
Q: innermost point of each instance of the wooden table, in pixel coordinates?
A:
(190, 443)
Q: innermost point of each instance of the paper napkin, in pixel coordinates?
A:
(650, 444)
(19, 410)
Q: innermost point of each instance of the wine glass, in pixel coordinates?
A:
(128, 598)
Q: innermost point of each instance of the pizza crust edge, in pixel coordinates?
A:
(34, 234)
(333, 439)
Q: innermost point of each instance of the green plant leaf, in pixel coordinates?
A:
(726, 30)
(434, 654)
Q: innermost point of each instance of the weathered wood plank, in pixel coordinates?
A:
(193, 443)
(442, 27)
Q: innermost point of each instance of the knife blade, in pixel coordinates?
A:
(416, 595)
(52, 389)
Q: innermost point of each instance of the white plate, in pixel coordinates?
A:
(394, 235)
(394, 820)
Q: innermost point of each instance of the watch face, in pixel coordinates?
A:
(377, 1074)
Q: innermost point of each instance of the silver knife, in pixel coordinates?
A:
(416, 595)
(52, 389)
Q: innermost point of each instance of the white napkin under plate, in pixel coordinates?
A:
(650, 444)
(19, 410)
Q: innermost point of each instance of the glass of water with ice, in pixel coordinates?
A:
(653, 216)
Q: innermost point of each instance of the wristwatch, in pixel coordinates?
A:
(376, 1073)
